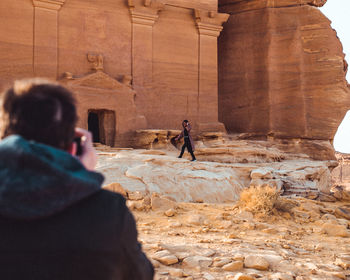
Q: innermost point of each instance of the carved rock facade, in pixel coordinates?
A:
(149, 64)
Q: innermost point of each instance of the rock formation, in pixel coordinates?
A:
(159, 59)
(281, 70)
(281, 67)
(225, 167)
(300, 240)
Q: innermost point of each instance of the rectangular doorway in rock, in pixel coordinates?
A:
(101, 123)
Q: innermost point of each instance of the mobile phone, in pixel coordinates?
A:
(79, 147)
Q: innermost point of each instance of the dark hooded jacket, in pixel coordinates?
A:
(57, 223)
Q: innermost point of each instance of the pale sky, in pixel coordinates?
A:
(338, 11)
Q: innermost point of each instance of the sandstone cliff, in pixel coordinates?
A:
(281, 70)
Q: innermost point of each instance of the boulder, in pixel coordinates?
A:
(256, 262)
(241, 276)
(262, 173)
(170, 212)
(233, 266)
(335, 230)
(342, 212)
(116, 187)
(197, 261)
(165, 257)
(135, 195)
(220, 262)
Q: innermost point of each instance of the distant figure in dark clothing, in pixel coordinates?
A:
(189, 144)
(56, 223)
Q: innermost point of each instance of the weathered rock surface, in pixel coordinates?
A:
(256, 262)
(233, 266)
(281, 70)
(223, 169)
(144, 77)
(335, 230)
(165, 257)
(197, 262)
(294, 247)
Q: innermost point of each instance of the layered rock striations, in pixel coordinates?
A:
(281, 70)
(156, 58)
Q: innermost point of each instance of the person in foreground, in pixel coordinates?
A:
(189, 144)
(55, 220)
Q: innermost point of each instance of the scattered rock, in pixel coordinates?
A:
(135, 195)
(170, 213)
(159, 203)
(241, 276)
(341, 192)
(147, 201)
(175, 224)
(342, 212)
(339, 275)
(256, 262)
(233, 266)
(245, 215)
(196, 220)
(165, 257)
(326, 197)
(176, 272)
(328, 217)
(208, 276)
(281, 276)
(270, 230)
(197, 261)
(262, 173)
(238, 257)
(135, 205)
(220, 262)
(155, 263)
(344, 264)
(116, 187)
(335, 230)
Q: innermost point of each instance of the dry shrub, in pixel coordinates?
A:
(259, 200)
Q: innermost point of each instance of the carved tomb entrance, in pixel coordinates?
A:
(102, 125)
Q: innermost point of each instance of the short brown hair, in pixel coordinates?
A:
(39, 110)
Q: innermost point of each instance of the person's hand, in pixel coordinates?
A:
(88, 156)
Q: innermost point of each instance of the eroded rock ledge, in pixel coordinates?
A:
(225, 166)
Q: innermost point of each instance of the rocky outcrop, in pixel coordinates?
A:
(301, 240)
(281, 70)
(223, 169)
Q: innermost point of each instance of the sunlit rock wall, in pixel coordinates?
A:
(165, 51)
(281, 70)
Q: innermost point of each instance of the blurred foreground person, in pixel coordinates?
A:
(188, 141)
(55, 220)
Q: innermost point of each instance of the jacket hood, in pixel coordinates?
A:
(37, 180)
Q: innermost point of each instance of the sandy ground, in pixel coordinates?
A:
(302, 243)
(187, 236)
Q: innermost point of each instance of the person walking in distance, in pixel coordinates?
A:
(189, 144)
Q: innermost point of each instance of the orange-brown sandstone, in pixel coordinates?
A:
(133, 64)
(147, 64)
(281, 70)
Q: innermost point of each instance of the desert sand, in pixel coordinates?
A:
(234, 213)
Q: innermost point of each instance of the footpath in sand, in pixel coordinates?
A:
(195, 222)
